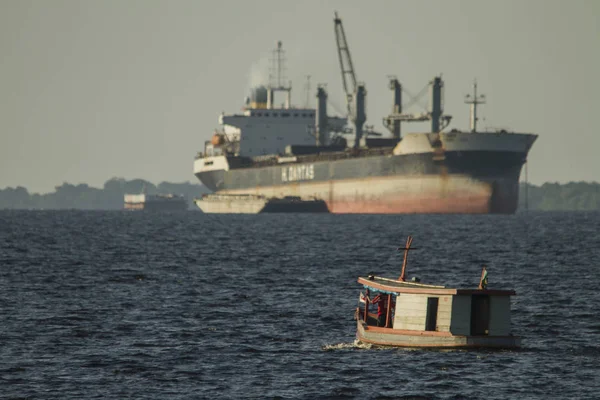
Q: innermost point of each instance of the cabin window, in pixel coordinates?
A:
(275, 114)
(285, 114)
(432, 309)
(296, 114)
(259, 114)
(208, 163)
(480, 315)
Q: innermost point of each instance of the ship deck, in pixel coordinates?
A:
(236, 162)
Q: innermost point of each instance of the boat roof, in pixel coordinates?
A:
(387, 285)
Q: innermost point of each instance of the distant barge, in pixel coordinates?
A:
(257, 204)
(155, 202)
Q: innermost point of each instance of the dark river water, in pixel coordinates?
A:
(189, 306)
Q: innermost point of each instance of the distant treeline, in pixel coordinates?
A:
(84, 197)
(572, 196)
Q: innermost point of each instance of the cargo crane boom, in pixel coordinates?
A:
(346, 66)
(355, 93)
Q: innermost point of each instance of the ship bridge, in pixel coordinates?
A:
(264, 128)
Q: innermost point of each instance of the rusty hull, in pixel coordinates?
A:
(400, 195)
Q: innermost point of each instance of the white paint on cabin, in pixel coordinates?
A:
(444, 313)
(499, 316)
(454, 314)
(216, 163)
(411, 312)
(269, 131)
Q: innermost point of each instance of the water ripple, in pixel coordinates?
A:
(186, 305)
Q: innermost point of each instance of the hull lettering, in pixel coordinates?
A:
(298, 173)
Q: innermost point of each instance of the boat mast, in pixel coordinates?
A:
(406, 249)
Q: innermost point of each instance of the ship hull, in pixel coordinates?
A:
(458, 182)
(394, 195)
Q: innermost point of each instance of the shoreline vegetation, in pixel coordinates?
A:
(85, 197)
(572, 196)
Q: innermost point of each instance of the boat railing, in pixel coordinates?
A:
(371, 317)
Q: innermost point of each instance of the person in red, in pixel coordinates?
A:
(381, 301)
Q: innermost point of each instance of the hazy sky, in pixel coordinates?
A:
(90, 90)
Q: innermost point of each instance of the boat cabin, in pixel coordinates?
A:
(400, 313)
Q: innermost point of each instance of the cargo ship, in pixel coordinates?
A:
(154, 202)
(284, 151)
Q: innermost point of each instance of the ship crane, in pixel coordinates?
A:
(355, 92)
(435, 112)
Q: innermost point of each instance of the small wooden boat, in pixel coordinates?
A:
(412, 314)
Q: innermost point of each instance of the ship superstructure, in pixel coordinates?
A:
(264, 128)
(278, 152)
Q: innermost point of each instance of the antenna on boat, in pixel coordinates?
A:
(406, 249)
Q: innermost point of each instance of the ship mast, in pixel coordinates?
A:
(276, 83)
(474, 101)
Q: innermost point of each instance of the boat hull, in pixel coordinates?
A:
(404, 338)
